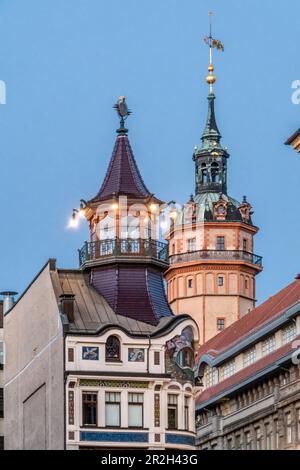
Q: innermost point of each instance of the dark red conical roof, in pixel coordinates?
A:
(122, 176)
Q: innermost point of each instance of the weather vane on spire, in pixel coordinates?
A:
(123, 113)
(212, 43)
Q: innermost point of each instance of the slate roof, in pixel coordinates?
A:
(134, 291)
(122, 176)
(92, 313)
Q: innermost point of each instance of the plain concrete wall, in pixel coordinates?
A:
(34, 391)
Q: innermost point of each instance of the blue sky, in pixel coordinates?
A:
(65, 62)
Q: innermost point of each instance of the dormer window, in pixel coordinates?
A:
(113, 349)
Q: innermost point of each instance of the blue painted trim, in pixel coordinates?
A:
(180, 439)
(96, 436)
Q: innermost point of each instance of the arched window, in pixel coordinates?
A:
(112, 349)
(185, 357)
(214, 172)
(204, 173)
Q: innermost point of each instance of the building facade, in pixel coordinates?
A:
(211, 242)
(96, 357)
(249, 379)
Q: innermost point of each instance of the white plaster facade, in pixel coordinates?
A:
(127, 377)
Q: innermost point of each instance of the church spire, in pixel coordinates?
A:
(210, 158)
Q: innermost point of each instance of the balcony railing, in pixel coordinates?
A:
(127, 247)
(216, 255)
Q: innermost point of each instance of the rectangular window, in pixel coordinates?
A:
(220, 324)
(156, 358)
(89, 409)
(269, 436)
(1, 403)
(190, 283)
(210, 376)
(249, 356)
(248, 440)
(135, 410)
(245, 245)
(191, 244)
(258, 436)
(220, 243)
(288, 419)
(186, 413)
(1, 355)
(113, 409)
(1, 442)
(228, 369)
(70, 354)
(172, 412)
(220, 281)
(268, 345)
(289, 333)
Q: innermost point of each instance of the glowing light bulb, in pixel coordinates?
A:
(114, 206)
(73, 222)
(82, 213)
(163, 224)
(153, 207)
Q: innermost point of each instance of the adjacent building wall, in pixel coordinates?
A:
(34, 392)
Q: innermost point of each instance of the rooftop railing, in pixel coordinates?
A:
(216, 255)
(127, 247)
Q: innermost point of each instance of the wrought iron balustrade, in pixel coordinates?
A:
(222, 255)
(118, 247)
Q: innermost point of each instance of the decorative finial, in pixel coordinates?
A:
(211, 42)
(123, 113)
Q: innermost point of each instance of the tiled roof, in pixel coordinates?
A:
(253, 321)
(133, 291)
(122, 176)
(247, 372)
(92, 312)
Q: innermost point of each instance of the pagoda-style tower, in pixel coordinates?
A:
(123, 259)
(212, 265)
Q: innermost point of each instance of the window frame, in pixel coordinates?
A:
(222, 244)
(117, 404)
(90, 403)
(136, 404)
(219, 322)
(112, 359)
(173, 407)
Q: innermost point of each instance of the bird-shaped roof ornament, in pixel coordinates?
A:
(123, 113)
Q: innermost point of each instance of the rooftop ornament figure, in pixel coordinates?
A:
(123, 113)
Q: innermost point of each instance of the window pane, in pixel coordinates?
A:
(112, 414)
(172, 417)
(135, 415)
